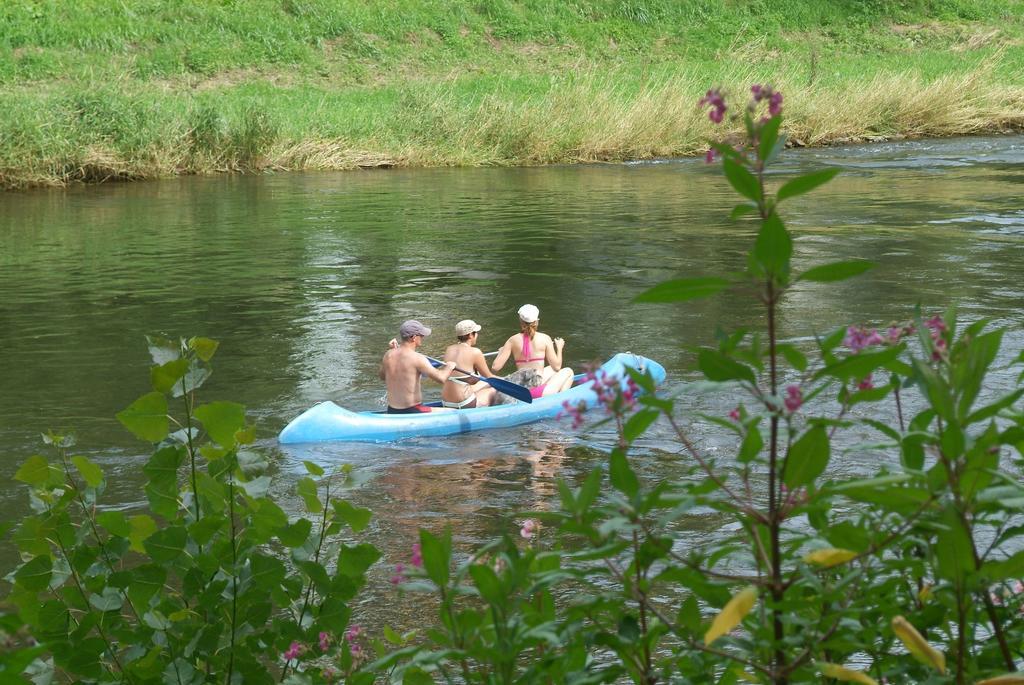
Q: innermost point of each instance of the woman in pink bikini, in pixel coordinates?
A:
(531, 349)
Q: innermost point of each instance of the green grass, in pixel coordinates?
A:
(95, 89)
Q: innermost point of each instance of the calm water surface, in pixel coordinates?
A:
(304, 278)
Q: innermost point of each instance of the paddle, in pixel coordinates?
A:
(500, 384)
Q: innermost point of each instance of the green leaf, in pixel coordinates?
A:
(689, 614)
(35, 574)
(991, 410)
(486, 581)
(871, 395)
(858, 366)
(146, 417)
(147, 580)
(110, 600)
(162, 487)
(751, 445)
(742, 209)
(836, 271)
(164, 377)
(1004, 569)
(807, 458)
(936, 388)
(90, 472)
(718, 367)
(683, 289)
(805, 183)
(953, 550)
(35, 471)
(589, 491)
(353, 561)
(436, 553)
(296, 534)
(621, 475)
(769, 136)
(191, 381)
(912, 451)
(162, 350)
(357, 518)
(142, 527)
(313, 469)
(203, 347)
(774, 248)
(166, 544)
(307, 491)
(742, 181)
(970, 374)
(795, 357)
(638, 423)
(221, 420)
(115, 523)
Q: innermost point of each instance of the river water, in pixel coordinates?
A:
(303, 278)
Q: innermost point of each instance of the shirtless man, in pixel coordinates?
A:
(466, 392)
(402, 367)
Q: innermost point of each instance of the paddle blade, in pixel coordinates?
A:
(509, 388)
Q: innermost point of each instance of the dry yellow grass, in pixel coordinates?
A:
(583, 117)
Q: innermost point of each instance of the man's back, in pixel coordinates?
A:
(400, 368)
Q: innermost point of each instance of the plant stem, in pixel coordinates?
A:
(234, 580)
(191, 446)
(648, 676)
(774, 520)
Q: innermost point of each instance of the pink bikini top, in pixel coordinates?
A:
(526, 353)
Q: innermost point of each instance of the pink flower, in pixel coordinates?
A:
(941, 348)
(714, 99)
(866, 384)
(895, 333)
(417, 555)
(858, 337)
(528, 529)
(734, 415)
(352, 638)
(325, 641)
(329, 674)
(576, 411)
(768, 93)
(709, 156)
(936, 324)
(794, 398)
(294, 650)
(399, 574)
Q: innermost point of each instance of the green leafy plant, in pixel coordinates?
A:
(905, 575)
(214, 582)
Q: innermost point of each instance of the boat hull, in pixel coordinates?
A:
(327, 421)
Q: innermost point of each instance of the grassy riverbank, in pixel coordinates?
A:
(93, 90)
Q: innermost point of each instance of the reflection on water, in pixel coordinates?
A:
(304, 278)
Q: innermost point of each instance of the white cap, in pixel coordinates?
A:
(466, 326)
(528, 313)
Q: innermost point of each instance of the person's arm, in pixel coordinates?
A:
(480, 366)
(380, 372)
(440, 374)
(503, 354)
(553, 354)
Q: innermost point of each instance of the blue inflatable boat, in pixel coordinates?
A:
(328, 421)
